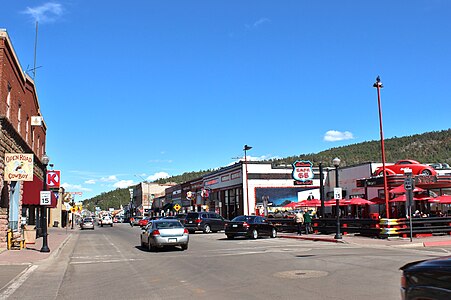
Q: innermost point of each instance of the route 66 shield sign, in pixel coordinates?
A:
(302, 170)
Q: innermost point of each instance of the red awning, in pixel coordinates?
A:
(32, 193)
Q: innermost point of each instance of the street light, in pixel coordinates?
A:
(246, 148)
(378, 85)
(45, 248)
(336, 162)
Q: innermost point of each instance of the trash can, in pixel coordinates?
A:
(55, 223)
(29, 233)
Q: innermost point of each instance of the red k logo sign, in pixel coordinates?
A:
(53, 179)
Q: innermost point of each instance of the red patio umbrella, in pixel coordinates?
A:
(357, 201)
(401, 190)
(402, 198)
(292, 205)
(443, 199)
(310, 203)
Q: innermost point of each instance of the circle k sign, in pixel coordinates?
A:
(53, 179)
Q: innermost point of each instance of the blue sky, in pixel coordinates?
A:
(145, 89)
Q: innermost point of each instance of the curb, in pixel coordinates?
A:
(437, 243)
(315, 239)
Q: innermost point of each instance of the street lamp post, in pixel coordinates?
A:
(45, 248)
(246, 148)
(336, 162)
(378, 85)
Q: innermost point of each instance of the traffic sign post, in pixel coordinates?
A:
(409, 186)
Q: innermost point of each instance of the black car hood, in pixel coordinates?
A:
(443, 263)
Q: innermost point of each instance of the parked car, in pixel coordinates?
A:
(399, 167)
(106, 220)
(87, 223)
(135, 221)
(143, 222)
(164, 232)
(250, 226)
(204, 221)
(427, 279)
(180, 217)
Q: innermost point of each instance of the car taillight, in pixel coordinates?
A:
(245, 225)
(185, 231)
(198, 220)
(403, 281)
(155, 232)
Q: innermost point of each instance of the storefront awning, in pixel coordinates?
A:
(32, 193)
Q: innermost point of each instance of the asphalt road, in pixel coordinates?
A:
(108, 263)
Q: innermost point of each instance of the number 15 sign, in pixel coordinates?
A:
(45, 198)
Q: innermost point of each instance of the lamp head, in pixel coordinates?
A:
(336, 161)
(246, 147)
(378, 83)
(45, 159)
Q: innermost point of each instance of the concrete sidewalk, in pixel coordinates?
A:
(433, 241)
(56, 238)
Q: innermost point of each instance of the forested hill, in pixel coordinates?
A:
(428, 147)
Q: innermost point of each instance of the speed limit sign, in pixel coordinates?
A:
(45, 198)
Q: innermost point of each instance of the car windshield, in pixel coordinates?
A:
(192, 215)
(166, 225)
(88, 220)
(248, 219)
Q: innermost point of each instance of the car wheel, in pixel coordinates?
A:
(254, 234)
(207, 229)
(273, 233)
(142, 243)
(101, 225)
(191, 231)
(111, 225)
(230, 237)
(426, 172)
(185, 247)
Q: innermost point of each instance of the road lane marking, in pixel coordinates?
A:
(104, 261)
(15, 283)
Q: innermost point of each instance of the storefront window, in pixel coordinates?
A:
(14, 193)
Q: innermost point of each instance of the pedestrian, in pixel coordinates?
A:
(299, 219)
(307, 222)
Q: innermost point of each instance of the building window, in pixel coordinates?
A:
(39, 139)
(14, 193)
(19, 123)
(8, 101)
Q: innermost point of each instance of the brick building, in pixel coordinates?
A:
(18, 104)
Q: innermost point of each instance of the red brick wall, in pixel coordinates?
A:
(22, 94)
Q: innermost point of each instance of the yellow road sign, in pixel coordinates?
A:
(177, 207)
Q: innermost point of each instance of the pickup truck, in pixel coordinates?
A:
(106, 220)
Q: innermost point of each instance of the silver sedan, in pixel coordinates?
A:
(164, 232)
(87, 223)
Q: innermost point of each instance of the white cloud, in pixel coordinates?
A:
(261, 21)
(48, 12)
(157, 175)
(122, 184)
(258, 23)
(91, 181)
(74, 188)
(334, 136)
(111, 178)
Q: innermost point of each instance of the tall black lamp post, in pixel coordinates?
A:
(247, 148)
(336, 162)
(45, 248)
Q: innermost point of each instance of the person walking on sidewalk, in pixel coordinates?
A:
(299, 219)
(308, 222)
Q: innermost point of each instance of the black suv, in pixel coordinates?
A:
(204, 221)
